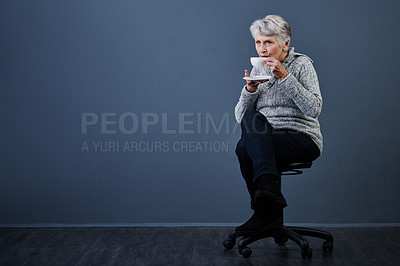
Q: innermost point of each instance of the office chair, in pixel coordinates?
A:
(282, 234)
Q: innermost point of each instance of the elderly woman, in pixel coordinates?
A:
(279, 121)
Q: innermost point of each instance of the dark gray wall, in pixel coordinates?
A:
(61, 60)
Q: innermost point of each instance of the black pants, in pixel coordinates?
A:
(262, 149)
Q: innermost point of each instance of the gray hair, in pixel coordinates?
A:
(272, 25)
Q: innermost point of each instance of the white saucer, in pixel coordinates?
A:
(257, 78)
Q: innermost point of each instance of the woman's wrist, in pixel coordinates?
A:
(251, 90)
(284, 76)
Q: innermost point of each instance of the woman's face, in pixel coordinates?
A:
(268, 46)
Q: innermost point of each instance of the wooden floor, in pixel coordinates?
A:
(187, 246)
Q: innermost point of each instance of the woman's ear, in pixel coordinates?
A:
(286, 46)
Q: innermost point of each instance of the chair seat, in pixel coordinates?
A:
(293, 167)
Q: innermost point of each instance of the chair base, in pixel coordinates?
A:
(281, 236)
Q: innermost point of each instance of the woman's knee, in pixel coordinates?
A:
(240, 148)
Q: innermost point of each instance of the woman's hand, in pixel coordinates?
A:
(251, 85)
(276, 68)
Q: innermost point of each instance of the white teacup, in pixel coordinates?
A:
(258, 61)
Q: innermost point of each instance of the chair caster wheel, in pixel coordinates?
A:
(246, 252)
(280, 240)
(229, 244)
(306, 253)
(327, 246)
(232, 235)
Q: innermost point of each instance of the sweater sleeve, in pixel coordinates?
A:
(304, 91)
(246, 101)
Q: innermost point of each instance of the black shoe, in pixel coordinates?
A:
(268, 191)
(260, 222)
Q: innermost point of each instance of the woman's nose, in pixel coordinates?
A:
(264, 49)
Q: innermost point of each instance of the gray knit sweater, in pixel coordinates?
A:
(293, 103)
